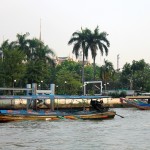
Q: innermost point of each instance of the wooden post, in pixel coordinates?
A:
(34, 89)
(52, 99)
(27, 93)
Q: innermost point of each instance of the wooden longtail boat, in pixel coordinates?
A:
(140, 102)
(23, 115)
(97, 113)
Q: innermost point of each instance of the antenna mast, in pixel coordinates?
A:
(40, 31)
(118, 62)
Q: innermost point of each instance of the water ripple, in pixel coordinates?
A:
(129, 133)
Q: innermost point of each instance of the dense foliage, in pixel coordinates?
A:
(31, 61)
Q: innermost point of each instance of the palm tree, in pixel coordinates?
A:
(97, 41)
(39, 51)
(7, 45)
(40, 61)
(23, 43)
(107, 71)
(79, 39)
(4, 45)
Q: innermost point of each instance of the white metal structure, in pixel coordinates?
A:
(92, 82)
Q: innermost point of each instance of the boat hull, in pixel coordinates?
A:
(9, 117)
(137, 103)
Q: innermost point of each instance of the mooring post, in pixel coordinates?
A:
(34, 92)
(52, 88)
(28, 86)
(34, 88)
(52, 99)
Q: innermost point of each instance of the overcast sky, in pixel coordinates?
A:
(126, 21)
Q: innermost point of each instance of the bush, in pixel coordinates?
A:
(117, 94)
(123, 94)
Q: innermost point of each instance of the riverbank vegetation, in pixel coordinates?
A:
(25, 61)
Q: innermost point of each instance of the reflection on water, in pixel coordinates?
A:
(129, 133)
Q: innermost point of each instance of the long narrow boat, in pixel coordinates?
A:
(140, 102)
(97, 113)
(23, 115)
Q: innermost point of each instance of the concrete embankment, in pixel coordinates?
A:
(63, 103)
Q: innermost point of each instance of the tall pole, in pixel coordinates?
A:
(83, 61)
(28, 92)
(52, 99)
(118, 62)
(34, 92)
(14, 85)
(40, 30)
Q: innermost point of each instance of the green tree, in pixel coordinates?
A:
(40, 62)
(46, 54)
(88, 72)
(140, 71)
(37, 71)
(134, 75)
(126, 76)
(8, 46)
(67, 82)
(23, 43)
(13, 66)
(106, 71)
(39, 57)
(68, 78)
(97, 40)
(79, 39)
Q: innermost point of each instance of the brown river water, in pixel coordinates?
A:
(129, 133)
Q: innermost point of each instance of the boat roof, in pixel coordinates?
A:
(51, 96)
